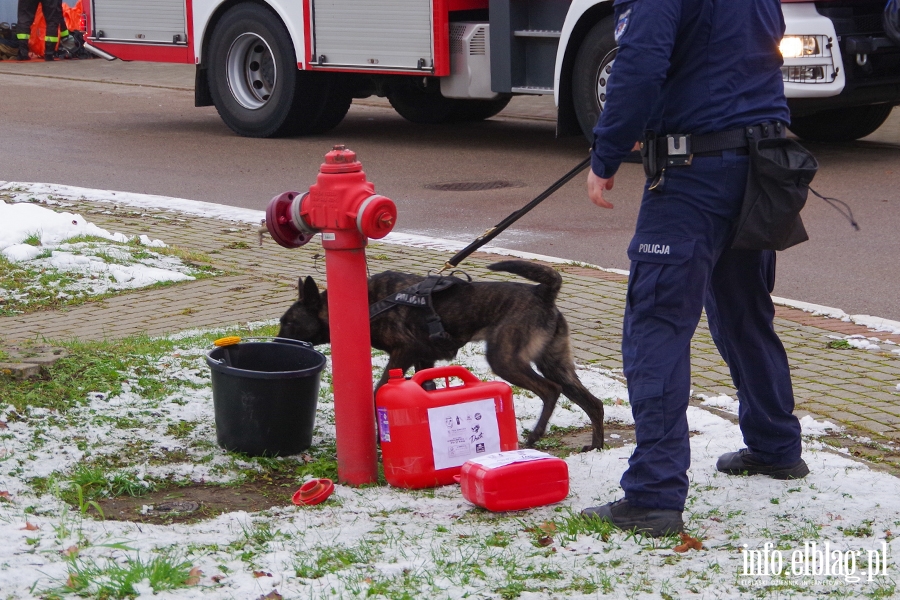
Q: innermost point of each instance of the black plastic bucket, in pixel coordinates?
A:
(264, 395)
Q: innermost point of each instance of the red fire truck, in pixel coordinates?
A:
(285, 67)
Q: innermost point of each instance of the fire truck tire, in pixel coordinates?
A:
(479, 110)
(590, 73)
(253, 75)
(321, 101)
(841, 124)
(420, 103)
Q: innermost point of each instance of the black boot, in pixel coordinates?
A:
(23, 50)
(744, 462)
(49, 51)
(654, 522)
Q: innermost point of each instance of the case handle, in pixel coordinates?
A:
(445, 372)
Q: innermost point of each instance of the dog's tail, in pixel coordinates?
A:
(549, 279)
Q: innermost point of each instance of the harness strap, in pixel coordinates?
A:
(419, 296)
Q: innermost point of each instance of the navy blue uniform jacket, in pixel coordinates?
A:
(690, 66)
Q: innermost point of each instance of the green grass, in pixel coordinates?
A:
(332, 559)
(33, 239)
(100, 366)
(839, 345)
(29, 288)
(109, 579)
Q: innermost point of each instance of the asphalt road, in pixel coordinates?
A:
(133, 127)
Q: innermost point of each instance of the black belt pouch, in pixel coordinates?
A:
(778, 183)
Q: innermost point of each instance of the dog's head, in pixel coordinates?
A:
(307, 319)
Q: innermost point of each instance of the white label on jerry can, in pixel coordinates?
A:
(509, 457)
(460, 432)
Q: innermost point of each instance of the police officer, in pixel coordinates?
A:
(56, 32)
(696, 79)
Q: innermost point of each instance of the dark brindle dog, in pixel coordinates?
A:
(519, 323)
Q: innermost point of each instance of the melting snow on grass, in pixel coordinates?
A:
(56, 257)
(385, 542)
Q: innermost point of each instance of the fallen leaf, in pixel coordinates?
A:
(3, 425)
(619, 402)
(545, 541)
(193, 576)
(70, 551)
(273, 595)
(687, 543)
(4, 495)
(307, 458)
(30, 526)
(716, 519)
(70, 583)
(217, 578)
(261, 574)
(547, 527)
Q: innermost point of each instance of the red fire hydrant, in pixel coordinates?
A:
(343, 206)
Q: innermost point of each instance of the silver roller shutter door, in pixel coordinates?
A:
(385, 34)
(140, 20)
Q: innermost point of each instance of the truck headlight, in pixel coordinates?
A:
(796, 46)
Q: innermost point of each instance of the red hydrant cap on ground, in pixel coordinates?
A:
(313, 492)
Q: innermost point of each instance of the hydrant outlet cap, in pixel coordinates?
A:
(340, 160)
(377, 217)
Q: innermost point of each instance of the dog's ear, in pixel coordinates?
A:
(309, 294)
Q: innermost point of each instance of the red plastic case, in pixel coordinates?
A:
(426, 436)
(515, 480)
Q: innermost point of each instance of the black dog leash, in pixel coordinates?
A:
(494, 231)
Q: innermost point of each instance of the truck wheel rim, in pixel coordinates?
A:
(603, 77)
(250, 70)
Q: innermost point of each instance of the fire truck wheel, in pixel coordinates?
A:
(422, 102)
(333, 100)
(253, 75)
(479, 110)
(590, 74)
(841, 124)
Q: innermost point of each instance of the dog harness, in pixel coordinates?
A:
(419, 296)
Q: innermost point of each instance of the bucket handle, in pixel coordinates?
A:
(277, 339)
(227, 361)
(445, 372)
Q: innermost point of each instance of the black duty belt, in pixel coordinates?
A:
(660, 152)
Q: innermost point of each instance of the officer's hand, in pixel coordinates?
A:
(596, 186)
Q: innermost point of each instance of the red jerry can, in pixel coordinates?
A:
(427, 435)
(514, 480)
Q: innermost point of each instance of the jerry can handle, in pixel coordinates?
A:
(445, 372)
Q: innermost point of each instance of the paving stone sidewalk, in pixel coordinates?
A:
(852, 387)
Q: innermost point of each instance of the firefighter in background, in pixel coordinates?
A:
(56, 32)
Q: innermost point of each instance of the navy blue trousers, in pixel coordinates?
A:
(681, 262)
